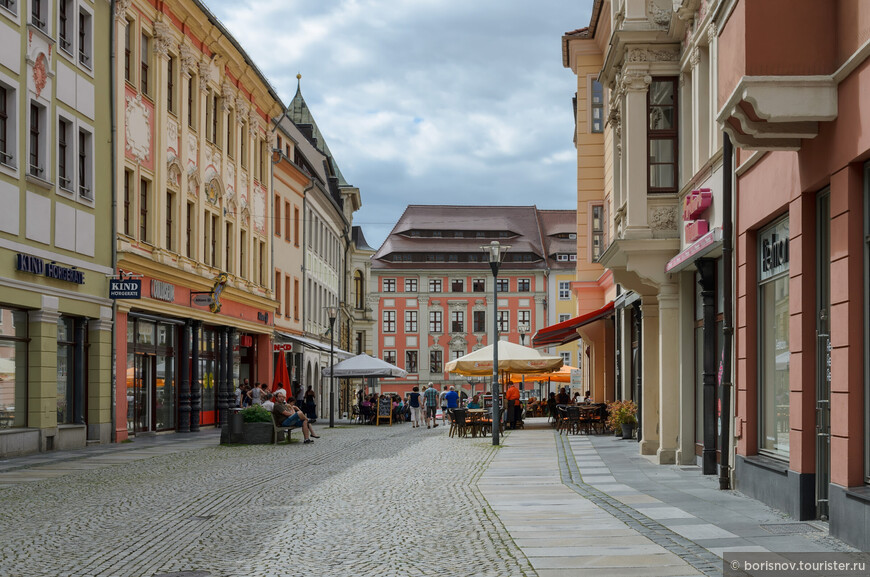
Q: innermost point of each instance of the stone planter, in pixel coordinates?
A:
(256, 433)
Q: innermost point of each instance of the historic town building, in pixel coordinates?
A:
(55, 245)
(194, 220)
(432, 287)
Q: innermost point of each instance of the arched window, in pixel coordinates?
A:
(358, 288)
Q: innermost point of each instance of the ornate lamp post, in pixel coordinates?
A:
(495, 252)
(332, 312)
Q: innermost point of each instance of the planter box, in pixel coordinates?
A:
(256, 434)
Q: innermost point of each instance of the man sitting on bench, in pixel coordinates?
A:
(288, 415)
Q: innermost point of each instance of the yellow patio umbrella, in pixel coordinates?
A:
(563, 375)
(512, 358)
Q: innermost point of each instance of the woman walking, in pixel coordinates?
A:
(416, 409)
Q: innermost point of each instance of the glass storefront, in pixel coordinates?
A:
(152, 393)
(773, 354)
(13, 368)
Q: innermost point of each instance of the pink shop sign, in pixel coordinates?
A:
(695, 205)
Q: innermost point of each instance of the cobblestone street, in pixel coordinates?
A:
(359, 501)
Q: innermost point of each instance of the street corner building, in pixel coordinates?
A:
(55, 247)
(194, 220)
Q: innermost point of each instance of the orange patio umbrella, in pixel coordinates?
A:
(563, 375)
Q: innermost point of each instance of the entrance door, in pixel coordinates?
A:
(144, 385)
(823, 354)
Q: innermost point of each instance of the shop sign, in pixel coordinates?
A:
(263, 317)
(282, 347)
(162, 291)
(121, 288)
(246, 341)
(202, 300)
(695, 205)
(773, 249)
(35, 265)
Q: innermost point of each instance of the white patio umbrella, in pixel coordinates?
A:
(512, 358)
(364, 366)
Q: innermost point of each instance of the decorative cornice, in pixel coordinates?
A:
(635, 55)
(635, 82)
(658, 15)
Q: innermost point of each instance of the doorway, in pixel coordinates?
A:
(142, 401)
(823, 353)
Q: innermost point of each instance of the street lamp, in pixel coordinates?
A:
(495, 252)
(523, 329)
(332, 312)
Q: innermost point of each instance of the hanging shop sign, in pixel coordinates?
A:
(773, 257)
(162, 291)
(35, 265)
(694, 206)
(125, 288)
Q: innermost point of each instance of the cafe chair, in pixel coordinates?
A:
(458, 422)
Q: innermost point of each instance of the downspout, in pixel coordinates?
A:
(728, 320)
(114, 219)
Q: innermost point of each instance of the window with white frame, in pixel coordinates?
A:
(504, 321)
(566, 358)
(478, 285)
(85, 38)
(457, 321)
(410, 285)
(502, 285)
(144, 63)
(65, 22)
(10, 5)
(389, 285)
(389, 321)
(410, 321)
(390, 357)
(524, 285)
(85, 169)
(457, 285)
(524, 319)
(435, 285)
(411, 361)
(478, 320)
(456, 353)
(38, 138)
(436, 359)
(65, 154)
(7, 125)
(564, 317)
(564, 290)
(597, 231)
(562, 257)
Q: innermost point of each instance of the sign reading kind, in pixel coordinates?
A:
(35, 265)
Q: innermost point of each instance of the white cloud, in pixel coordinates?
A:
(435, 101)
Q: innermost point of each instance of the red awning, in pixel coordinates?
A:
(566, 331)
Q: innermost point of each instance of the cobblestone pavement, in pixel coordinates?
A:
(385, 501)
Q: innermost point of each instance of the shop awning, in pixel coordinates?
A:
(566, 331)
(311, 344)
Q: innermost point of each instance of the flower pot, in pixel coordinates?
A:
(256, 433)
(627, 431)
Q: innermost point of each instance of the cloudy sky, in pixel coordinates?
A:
(427, 101)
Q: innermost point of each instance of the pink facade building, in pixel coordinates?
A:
(432, 287)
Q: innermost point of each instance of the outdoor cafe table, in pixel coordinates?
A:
(476, 421)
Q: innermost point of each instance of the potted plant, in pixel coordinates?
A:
(622, 418)
(256, 425)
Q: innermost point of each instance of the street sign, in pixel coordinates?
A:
(203, 300)
(125, 288)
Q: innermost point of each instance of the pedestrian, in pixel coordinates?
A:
(414, 402)
(443, 402)
(310, 405)
(430, 398)
(452, 398)
(254, 395)
(512, 400)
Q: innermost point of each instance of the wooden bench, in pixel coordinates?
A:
(278, 432)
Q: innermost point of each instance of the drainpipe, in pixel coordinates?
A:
(728, 321)
(114, 240)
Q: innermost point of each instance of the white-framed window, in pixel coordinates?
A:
(524, 319)
(390, 357)
(596, 107)
(562, 257)
(457, 321)
(478, 319)
(86, 35)
(504, 322)
(144, 63)
(410, 321)
(65, 25)
(37, 140)
(85, 163)
(411, 361)
(597, 231)
(389, 321)
(566, 358)
(435, 322)
(410, 285)
(388, 285)
(564, 290)
(564, 317)
(8, 123)
(172, 84)
(457, 285)
(502, 285)
(65, 149)
(10, 6)
(478, 285)
(524, 285)
(456, 353)
(436, 358)
(39, 14)
(435, 285)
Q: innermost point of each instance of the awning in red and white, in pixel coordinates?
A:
(566, 331)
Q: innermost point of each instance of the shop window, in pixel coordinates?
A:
(662, 135)
(13, 368)
(435, 361)
(71, 370)
(773, 333)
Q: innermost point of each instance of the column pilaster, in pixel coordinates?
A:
(649, 444)
(635, 84)
(669, 372)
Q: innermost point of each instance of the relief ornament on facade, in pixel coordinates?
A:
(657, 15)
(162, 38)
(138, 128)
(663, 218)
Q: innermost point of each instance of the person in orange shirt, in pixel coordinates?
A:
(512, 402)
